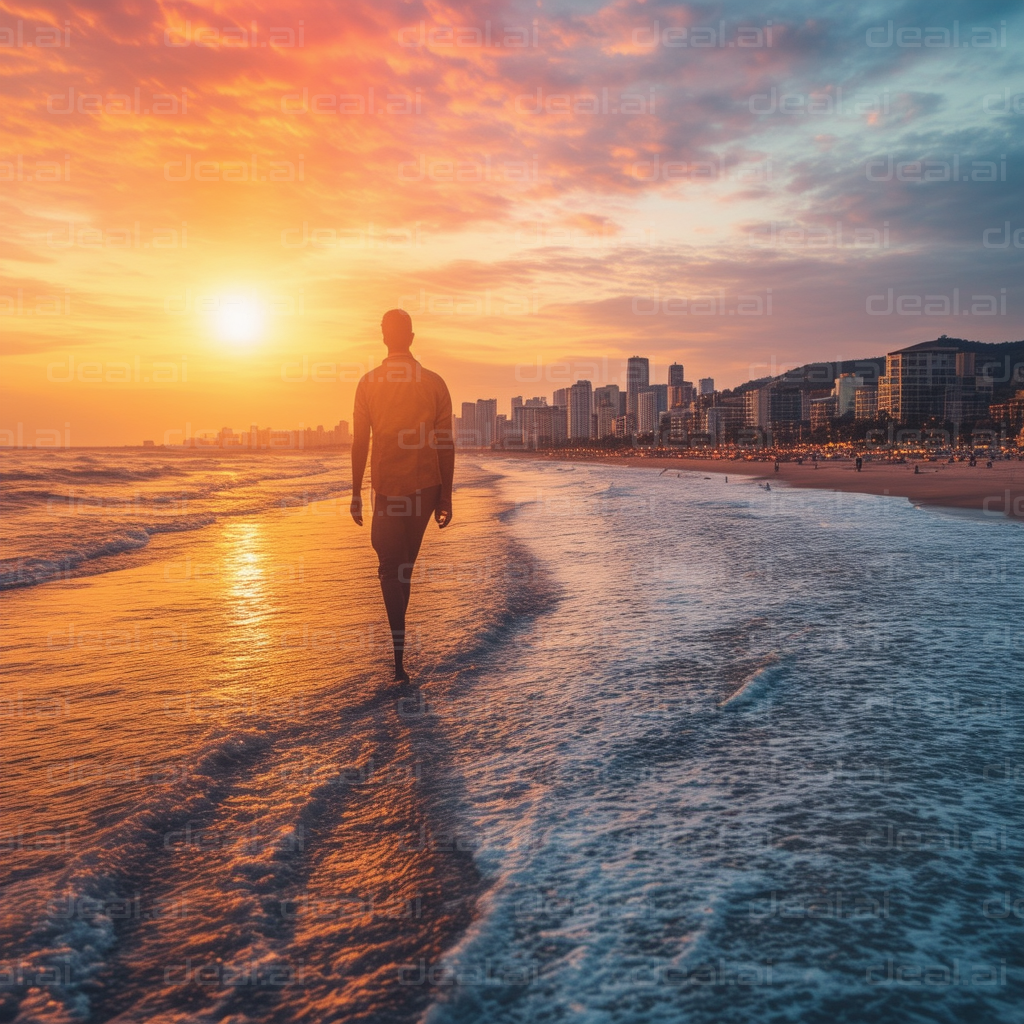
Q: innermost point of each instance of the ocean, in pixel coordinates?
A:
(684, 750)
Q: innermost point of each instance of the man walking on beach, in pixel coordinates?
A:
(409, 411)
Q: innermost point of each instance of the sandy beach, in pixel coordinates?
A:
(641, 697)
(994, 492)
(211, 731)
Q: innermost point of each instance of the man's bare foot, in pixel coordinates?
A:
(401, 676)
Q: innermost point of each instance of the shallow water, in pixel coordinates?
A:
(687, 751)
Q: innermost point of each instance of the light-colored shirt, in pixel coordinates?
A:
(408, 410)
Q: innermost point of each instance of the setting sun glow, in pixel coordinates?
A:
(239, 319)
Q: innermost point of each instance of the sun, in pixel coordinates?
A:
(239, 319)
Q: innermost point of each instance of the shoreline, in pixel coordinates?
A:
(996, 493)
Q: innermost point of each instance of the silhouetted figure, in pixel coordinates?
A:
(859, 463)
(917, 469)
(776, 465)
(409, 411)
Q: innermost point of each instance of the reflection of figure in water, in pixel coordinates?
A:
(409, 411)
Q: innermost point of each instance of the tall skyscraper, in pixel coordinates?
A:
(517, 403)
(676, 375)
(716, 424)
(580, 407)
(647, 412)
(606, 407)
(707, 385)
(468, 436)
(486, 413)
(638, 377)
(560, 397)
(502, 428)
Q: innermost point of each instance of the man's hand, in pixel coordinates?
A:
(443, 512)
(356, 508)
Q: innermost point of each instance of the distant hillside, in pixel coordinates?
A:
(1005, 362)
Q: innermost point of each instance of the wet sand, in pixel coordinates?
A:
(994, 492)
(211, 736)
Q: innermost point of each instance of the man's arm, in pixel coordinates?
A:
(444, 441)
(360, 450)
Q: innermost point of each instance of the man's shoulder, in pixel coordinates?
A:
(372, 376)
(434, 378)
(404, 371)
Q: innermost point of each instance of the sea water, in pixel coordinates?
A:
(685, 750)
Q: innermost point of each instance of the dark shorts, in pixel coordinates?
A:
(397, 530)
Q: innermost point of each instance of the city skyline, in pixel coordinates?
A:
(939, 379)
(853, 393)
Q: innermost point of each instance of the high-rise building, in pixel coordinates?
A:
(580, 407)
(638, 377)
(560, 397)
(756, 407)
(681, 395)
(730, 416)
(914, 385)
(535, 423)
(486, 413)
(647, 412)
(467, 436)
(559, 424)
(969, 396)
(707, 385)
(661, 394)
(502, 428)
(715, 424)
(606, 409)
(865, 403)
(787, 406)
(823, 410)
(845, 391)
(680, 424)
(517, 403)
(676, 376)
(1010, 414)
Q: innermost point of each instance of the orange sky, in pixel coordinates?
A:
(205, 208)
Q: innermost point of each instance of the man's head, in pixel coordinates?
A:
(396, 326)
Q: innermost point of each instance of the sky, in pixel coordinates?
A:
(206, 207)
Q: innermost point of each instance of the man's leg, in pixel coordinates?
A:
(389, 536)
(424, 503)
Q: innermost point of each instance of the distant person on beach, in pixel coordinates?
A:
(409, 412)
